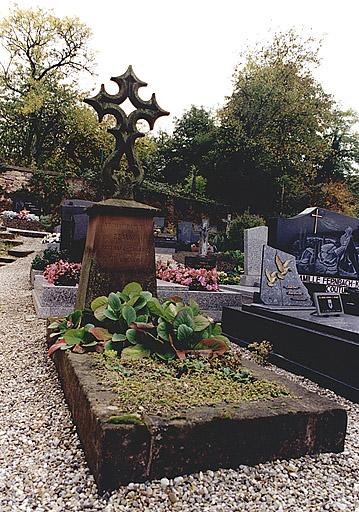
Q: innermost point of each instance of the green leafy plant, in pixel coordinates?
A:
(48, 257)
(136, 325)
(69, 334)
(261, 351)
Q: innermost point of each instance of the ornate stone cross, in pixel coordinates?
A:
(125, 131)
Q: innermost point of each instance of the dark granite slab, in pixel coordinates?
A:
(325, 350)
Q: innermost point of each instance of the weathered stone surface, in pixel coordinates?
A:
(11, 241)
(20, 253)
(33, 274)
(7, 259)
(226, 435)
(29, 233)
(7, 235)
(248, 293)
(119, 249)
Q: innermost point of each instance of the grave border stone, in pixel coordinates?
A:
(246, 433)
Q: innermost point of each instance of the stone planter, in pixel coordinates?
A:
(33, 274)
(51, 300)
(221, 436)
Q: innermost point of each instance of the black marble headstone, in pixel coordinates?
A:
(325, 245)
(187, 234)
(74, 223)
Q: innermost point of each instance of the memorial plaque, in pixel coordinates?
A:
(325, 245)
(328, 304)
(207, 262)
(124, 242)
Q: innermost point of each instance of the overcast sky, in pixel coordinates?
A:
(186, 50)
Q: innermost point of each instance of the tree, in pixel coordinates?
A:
(275, 128)
(45, 55)
(188, 152)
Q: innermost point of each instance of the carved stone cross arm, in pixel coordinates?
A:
(125, 130)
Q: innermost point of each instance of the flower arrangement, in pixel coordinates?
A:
(22, 215)
(52, 238)
(196, 279)
(63, 273)
(229, 277)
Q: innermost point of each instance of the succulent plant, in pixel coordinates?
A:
(135, 324)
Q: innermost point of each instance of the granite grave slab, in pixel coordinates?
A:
(325, 350)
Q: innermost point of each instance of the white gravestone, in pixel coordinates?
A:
(254, 240)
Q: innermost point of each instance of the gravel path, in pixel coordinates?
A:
(42, 467)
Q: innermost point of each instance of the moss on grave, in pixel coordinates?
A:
(150, 386)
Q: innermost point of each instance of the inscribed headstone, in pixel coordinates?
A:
(325, 245)
(280, 282)
(74, 223)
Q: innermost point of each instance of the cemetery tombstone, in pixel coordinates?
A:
(254, 240)
(159, 223)
(74, 223)
(281, 285)
(202, 260)
(187, 235)
(165, 241)
(120, 243)
(325, 245)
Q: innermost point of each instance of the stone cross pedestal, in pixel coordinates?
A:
(254, 240)
(119, 249)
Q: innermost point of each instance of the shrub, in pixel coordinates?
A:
(229, 277)
(236, 231)
(261, 351)
(234, 240)
(49, 256)
(50, 221)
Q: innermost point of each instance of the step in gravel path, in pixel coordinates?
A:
(42, 467)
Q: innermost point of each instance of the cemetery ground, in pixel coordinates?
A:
(42, 466)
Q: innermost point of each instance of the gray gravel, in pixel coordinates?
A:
(42, 467)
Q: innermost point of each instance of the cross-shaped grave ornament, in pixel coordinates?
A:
(125, 131)
(316, 216)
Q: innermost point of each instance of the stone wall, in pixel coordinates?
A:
(14, 178)
(174, 209)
